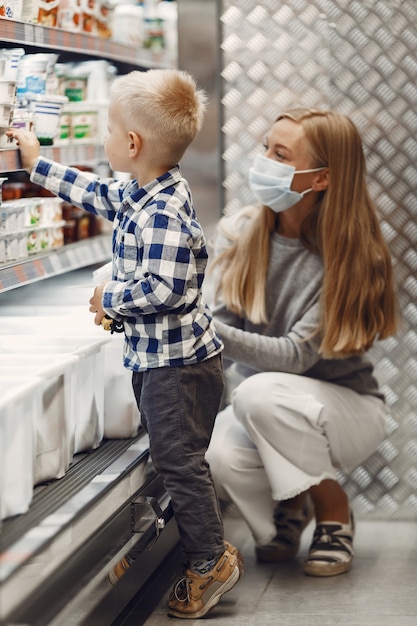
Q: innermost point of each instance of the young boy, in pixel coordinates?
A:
(159, 259)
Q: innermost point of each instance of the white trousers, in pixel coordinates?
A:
(284, 433)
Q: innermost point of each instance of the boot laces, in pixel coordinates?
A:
(181, 590)
(182, 587)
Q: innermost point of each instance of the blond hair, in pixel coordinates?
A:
(164, 106)
(357, 302)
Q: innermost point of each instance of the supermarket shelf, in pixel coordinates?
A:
(82, 43)
(71, 154)
(69, 257)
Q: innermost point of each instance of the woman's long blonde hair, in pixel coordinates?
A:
(357, 302)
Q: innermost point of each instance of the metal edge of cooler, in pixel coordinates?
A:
(62, 562)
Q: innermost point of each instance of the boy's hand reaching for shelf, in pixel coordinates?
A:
(28, 145)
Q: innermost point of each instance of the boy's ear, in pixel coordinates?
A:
(321, 180)
(134, 143)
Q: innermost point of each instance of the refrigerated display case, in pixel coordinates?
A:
(74, 499)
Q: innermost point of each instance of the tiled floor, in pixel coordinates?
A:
(380, 590)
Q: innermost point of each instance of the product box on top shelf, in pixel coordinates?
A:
(69, 15)
(11, 10)
(88, 16)
(30, 11)
(104, 19)
(128, 26)
(48, 12)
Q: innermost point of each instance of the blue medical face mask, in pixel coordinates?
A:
(271, 182)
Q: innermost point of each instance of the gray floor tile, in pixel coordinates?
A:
(380, 590)
(273, 619)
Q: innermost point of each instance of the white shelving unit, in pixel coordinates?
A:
(21, 33)
(36, 38)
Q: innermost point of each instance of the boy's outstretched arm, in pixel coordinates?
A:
(28, 144)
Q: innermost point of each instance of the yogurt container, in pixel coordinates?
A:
(9, 63)
(6, 109)
(7, 91)
(46, 116)
(34, 71)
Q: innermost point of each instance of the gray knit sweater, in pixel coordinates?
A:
(284, 343)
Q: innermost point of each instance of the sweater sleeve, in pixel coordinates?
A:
(289, 341)
(295, 353)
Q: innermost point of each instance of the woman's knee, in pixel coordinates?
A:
(251, 399)
(224, 453)
(278, 398)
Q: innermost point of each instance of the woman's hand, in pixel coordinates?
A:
(28, 144)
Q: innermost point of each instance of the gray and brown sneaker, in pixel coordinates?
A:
(193, 596)
(289, 523)
(331, 551)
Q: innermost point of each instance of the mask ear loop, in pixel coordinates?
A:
(316, 169)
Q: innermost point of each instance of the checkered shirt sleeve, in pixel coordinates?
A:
(159, 261)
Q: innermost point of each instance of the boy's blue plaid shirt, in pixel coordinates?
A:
(159, 260)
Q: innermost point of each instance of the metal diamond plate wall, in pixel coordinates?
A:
(360, 59)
